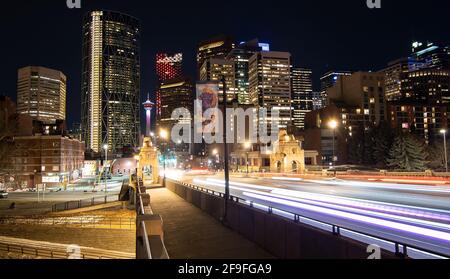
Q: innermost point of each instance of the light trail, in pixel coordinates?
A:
(413, 188)
(355, 217)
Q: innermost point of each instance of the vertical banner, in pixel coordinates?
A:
(208, 96)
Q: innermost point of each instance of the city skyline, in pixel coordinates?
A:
(230, 130)
(319, 54)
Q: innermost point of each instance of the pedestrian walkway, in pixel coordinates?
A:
(189, 233)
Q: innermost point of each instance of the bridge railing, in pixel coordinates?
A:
(149, 231)
(400, 249)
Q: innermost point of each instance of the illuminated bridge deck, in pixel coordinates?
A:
(189, 233)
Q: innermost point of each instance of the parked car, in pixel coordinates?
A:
(3, 194)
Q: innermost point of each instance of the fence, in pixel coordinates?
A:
(93, 222)
(36, 249)
(70, 205)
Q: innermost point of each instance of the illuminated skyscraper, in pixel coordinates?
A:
(240, 56)
(214, 69)
(41, 94)
(218, 47)
(270, 85)
(302, 97)
(110, 81)
(168, 66)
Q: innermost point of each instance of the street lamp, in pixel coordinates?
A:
(247, 147)
(105, 147)
(444, 133)
(333, 125)
(164, 136)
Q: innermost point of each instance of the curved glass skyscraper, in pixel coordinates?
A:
(110, 81)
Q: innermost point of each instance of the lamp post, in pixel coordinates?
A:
(105, 147)
(333, 125)
(247, 147)
(164, 135)
(225, 151)
(444, 133)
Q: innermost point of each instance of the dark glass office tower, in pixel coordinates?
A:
(110, 81)
(240, 56)
(302, 95)
(217, 47)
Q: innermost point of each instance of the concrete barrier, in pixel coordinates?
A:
(283, 238)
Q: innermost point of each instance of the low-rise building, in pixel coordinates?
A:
(47, 159)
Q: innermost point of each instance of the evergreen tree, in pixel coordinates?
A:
(382, 144)
(407, 154)
(436, 160)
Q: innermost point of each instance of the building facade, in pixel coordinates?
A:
(50, 160)
(217, 47)
(214, 69)
(41, 93)
(424, 120)
(356, 103)
(302, 95)
(168, 66)
(241, 56)
(270, 86)
(288, 156)
(110, 81)
(327, 81)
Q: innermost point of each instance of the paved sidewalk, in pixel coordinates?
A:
(189, 233)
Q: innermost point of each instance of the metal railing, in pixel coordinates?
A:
(401, 249)
(71, 205)
(93, 222)
(40, 251)
(140, 227)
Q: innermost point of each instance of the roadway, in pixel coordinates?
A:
(416, 215)
(82, 189)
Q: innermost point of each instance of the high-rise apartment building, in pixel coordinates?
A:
(270, 85)
(217, 47)
(214, 69)
(110, 81)
(395, 76)
(41, 94)
(302, 95)
(327, 81)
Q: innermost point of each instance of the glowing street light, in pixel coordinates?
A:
(333, 125)
(444, 133)
(163, 134)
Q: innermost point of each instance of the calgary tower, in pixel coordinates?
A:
(148, 106)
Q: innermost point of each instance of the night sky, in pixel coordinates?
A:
(320, 34)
